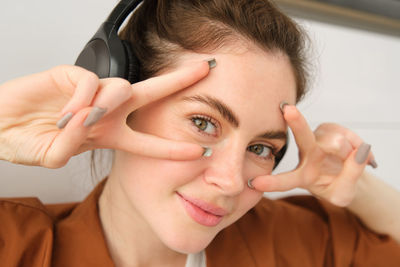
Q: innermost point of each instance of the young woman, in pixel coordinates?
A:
(195, 143)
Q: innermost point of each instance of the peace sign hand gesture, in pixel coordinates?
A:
(332, 160)
(74, 99)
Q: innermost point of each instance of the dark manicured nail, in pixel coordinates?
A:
(94, 116)
(362, 153)
(249, 183)
(207, 152)
(212, 63)
(282, 106)
(64, 120)
(373, 164)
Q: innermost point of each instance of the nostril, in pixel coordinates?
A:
(227, 184)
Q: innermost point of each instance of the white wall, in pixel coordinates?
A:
(357, 85)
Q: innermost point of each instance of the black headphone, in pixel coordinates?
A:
(109, 56)
(106, 54)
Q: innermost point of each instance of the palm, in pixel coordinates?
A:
(29, 115)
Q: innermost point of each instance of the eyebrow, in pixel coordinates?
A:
(216, 104)
(274, 135)
(229, 115)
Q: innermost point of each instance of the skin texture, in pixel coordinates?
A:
(140, 211)
(140, 204)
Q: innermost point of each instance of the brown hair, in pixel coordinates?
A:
(160, 29)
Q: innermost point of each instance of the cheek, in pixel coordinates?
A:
(253, 169)
(140, 172)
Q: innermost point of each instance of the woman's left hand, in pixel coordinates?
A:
(332, 160)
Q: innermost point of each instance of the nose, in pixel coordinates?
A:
(225, 170)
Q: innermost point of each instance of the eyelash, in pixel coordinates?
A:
(208, 119)
(272, 154)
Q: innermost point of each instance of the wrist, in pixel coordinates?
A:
(363, 192)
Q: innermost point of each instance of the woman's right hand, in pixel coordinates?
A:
(31, 106)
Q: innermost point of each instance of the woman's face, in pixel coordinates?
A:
(235, 111)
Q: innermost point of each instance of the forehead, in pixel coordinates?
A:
(252, 83)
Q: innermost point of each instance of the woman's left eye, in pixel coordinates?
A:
(262, 151)
(205, 125)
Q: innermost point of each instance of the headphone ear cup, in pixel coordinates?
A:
(95, 57)
(133, 65)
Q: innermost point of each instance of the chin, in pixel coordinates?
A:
(187, 243)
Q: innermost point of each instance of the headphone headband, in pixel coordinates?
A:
(121, 11)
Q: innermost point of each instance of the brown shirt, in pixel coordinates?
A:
(297, 231)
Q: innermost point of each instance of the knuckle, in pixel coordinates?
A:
(338, 142)
(123, 83)
(328, 127)
(332, 142)
(62, 67)
(124, 89)
(91, 76)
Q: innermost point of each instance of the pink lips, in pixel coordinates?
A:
(202, 212)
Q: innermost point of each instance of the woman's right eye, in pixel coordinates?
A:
(205, 125)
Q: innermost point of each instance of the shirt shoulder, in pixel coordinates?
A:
(352, 242)
(317, 227)
(301, 229)
(27, 231)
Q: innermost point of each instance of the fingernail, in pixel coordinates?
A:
(212, 63)
(64, 120)
(282, 106)
(373, 164)
(249, 183)
(94, 116)
(362, 153)
(207, 152)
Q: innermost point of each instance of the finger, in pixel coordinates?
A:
(68, 141)
(106, 97)
(357, 141)
(112, 93)
(335, 144)
(158, 87)
(326, 128)
(344, 185)
(277, 183)
(151, 146)
(302, 133)
(342, 137)
(85, 84)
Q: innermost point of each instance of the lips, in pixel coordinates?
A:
(202, 212)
